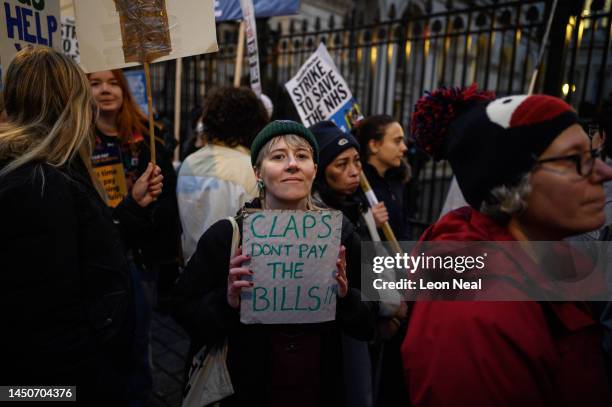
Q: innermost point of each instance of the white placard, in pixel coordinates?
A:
(319, 92)
(248, 12)
(293, 258)
(35, 22)
(70, 46)
(191, 22)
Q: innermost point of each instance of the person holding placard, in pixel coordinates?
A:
(337, 186)
(121, 155)
(382, 152)
(66, 296)
(278, 364)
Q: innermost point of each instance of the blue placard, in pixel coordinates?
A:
(138, 86)
(226, 10)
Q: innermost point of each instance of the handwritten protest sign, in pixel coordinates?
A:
(70, 46)
(24, 22)
(319, 92)
(191, 25)
(293, 258)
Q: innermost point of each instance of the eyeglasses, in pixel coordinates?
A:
(585, 162)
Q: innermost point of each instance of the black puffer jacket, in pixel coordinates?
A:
(298, 365)
(65, 291)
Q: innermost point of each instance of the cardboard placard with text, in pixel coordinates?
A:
(293, 259)
(28, 23)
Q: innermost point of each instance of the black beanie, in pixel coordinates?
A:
(488, 143)
(332, 142)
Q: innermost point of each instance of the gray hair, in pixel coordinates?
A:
(505, 201)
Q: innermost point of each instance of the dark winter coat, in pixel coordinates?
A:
(160, 242)
(353, 206)
(297, 365)
(465, 353)
(391, 189)
(65, 289)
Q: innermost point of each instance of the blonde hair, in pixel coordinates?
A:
(294, 142)
(49, 112)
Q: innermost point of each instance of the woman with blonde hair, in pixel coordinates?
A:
(65, 288)
(207, 298)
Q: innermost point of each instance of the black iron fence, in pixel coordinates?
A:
(390, 63)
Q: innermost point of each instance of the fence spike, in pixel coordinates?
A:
(392, 12)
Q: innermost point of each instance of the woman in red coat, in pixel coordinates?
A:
(529, 173)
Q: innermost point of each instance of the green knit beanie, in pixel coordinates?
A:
(281, 128)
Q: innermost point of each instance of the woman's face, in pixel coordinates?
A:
(388, 152)
(342, 174)
(563, 203)
(106, 91)
(287, 174)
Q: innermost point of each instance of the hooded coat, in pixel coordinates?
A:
(501, 353)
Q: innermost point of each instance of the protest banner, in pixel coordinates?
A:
(23, 22)
(138, 86)
(293, 259)
(191, 26)
(70, 46)
(319, 92)
(228, 10)
(248, 13)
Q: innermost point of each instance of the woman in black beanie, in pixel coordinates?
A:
(337, 186)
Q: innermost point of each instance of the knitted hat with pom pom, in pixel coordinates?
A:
(489, 143)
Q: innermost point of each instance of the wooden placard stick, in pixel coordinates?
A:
(146, 37)
(239, 55)
(538, 64)
(386, 228)
(150, 109)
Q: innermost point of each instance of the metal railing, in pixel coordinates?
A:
(390, 63)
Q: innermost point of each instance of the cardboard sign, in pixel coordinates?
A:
(227, 10)
(248, 11)
(70, 46)
(191, 23)
(293, 258)
(107, 164)
(24, 22)
(137, 83)
(319, 92)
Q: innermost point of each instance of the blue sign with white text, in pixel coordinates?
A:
(226, 10)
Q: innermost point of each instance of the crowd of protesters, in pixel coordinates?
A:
(95, 235)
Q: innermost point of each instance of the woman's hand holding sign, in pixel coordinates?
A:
(149, 186)
(341, 275)
(234, 282)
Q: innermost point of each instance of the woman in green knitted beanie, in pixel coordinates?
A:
(292, 364)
